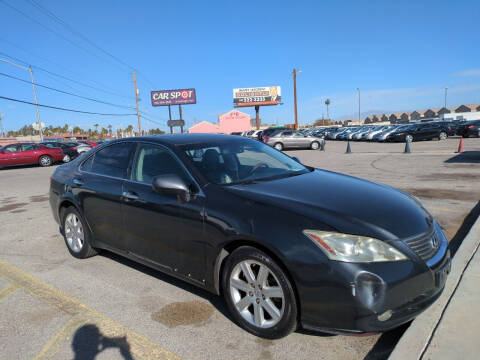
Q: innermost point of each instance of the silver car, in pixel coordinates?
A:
(290, 139)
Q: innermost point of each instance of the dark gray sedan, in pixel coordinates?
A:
(290, 139)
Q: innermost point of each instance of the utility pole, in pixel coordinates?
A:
(359, 119)
(170, 118)
(295, 71)
(36, 104)
(181, 116)
(446, 89)
(2, 134)
(29, 69)
(136, 101)
(257, 117)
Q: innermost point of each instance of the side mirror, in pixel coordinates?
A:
(171, 184)
(296, 159)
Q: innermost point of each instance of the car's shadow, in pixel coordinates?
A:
(216, 301)
(29, 166)
(465, 157)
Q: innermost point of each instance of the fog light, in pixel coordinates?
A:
(385, 316)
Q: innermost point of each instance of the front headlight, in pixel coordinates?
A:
(353, 248)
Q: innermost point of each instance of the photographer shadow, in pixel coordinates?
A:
(88, 342)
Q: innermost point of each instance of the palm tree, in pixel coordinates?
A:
(96, 127)
(110, 129)
(327, 102)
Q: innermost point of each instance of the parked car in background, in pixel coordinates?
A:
(469, 128)
(416, 132)
(29, 153)
(288, 246)
(291, 139)
(80, 147)
(69, 150)
(88, 142)
(377, 130)
(382, 136)
(270, 131)
(236, 133)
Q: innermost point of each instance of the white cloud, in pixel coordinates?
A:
(468, 73)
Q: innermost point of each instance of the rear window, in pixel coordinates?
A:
(112, 160)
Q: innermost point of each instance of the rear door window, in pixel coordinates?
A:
(113, 160)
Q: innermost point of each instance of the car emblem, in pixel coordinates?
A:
(434, 241)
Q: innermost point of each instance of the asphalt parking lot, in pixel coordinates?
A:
(55, 306)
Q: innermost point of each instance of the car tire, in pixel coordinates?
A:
(314, 145)
(76, 234)
(270, 317)
(45, 160)
(409, 138)
(278, 146)
(442, 136)
(67, 159)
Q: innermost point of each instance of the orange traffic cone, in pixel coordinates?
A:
(460, 145)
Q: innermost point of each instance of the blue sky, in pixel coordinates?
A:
(401, 54)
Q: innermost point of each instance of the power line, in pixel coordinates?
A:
(64, 77)
(50, 61)
(63, 109)
(67, 93)
(84, 38)
(50, 30)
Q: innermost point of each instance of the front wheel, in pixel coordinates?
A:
(314, 145)
(45, 160)
(409, 138)
(258, 294)
(442, 136)
(67, 158)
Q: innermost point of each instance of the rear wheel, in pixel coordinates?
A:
(409, 138)
(45, 160)
(278, 146)
(314, 145)
(76, 234)
(259, 294)
(67, 158)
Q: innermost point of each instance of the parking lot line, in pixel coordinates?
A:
(8, 290)
(138, 345)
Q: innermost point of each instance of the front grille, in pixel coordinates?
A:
(425, 246)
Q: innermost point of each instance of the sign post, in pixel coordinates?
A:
(174, 97)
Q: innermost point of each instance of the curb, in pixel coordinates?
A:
(416, 339)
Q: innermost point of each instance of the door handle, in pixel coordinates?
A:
(78, 182)
(130, 195)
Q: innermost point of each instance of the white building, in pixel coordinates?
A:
(461, 116)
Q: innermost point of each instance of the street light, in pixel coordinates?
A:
(29, 69)
(446, 89)
(358, 104)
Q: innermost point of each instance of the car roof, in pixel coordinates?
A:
(183, 139)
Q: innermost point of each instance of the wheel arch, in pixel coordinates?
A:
(230, 247)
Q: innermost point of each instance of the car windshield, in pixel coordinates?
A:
(242, 161)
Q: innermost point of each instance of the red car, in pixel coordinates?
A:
(29, 153)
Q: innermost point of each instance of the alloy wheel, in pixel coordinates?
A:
(442, 136)
(74, 232)
(256, 294)
(409, 138)
(45, 161)
(66, 158)
(314, 145)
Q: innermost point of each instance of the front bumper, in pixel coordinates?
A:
(374, 297)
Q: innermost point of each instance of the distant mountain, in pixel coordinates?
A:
(363, 114)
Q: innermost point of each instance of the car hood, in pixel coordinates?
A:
(343, 203)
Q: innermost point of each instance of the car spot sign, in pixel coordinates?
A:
(173, 97)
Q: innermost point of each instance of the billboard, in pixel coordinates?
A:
(173, 97)
(270, 95)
